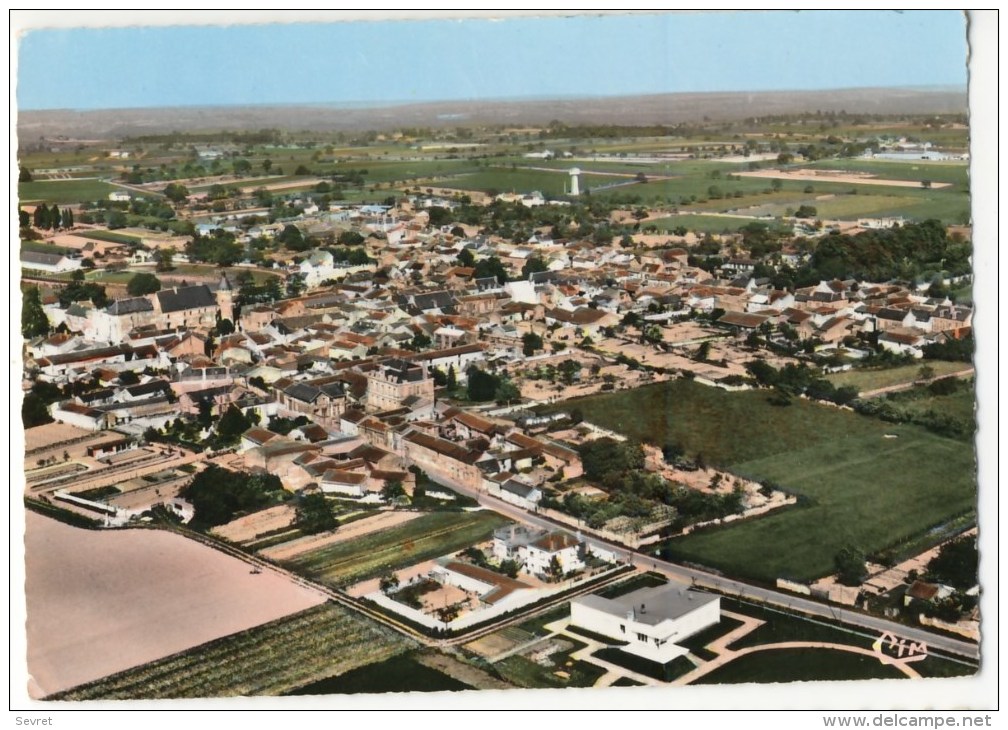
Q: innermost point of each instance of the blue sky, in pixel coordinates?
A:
(445, 59)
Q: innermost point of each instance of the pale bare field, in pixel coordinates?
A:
(381, 521)
(250, 526)
(103, 602)
(837, 176)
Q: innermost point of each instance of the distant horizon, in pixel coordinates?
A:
(293, 62)
(378, 103)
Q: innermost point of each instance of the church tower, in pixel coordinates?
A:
(225, 299)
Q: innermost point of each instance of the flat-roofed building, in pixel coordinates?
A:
(650, 620)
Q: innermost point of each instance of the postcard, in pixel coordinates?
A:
(517, 361)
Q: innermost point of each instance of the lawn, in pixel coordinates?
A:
(956, 173)
(800, 665)
(662, 672)
(112, 236)
(271, 659)
(383, 171)
(400, 673)
(857, 487)
(780, 627)
(524, 672)
(866, 379)
(426, 537)
(700, 223)
(65, 191)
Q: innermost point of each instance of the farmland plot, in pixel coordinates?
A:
(270, 660)
(426, 537)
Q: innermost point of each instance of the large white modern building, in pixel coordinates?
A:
(649, 620)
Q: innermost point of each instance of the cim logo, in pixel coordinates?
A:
(890, 648)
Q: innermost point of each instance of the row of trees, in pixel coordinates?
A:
(47, 218)
(794, 380)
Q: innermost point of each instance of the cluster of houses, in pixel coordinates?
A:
(359, 353)
(904, 319)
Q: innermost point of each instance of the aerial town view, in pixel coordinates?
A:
(476, 360)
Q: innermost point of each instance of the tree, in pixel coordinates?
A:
(143, 283)
(24, 220)
(452, 380)
(491, 266)
(313, 514)
(555, 570)
(531, 343)
(218, 494)
(393, 490)
(438, 216)
(232, 424)
(569, 371)
(850, 566)
(533, 265)
(34, 322)
(24, 175)
(956, 563)
(295, 285)
(925, 373)
(41, 216)
(481, 385)
(350, 238)
(115, 219)
(292, 238)
(176, 192)
(164, 258)
(34, 411)
(507, 392)
(466, 258)
(703, 351)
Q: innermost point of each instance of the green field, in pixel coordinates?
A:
(41, 247)
(426, 537)
(64, 191)
(524, 672)
(400, 673)
(700, 223)
(919, 400)
(956, 173)
(267, 660)
(522, 180)
(857, 486)
(866, 379)
(111, 236)
(800, 665)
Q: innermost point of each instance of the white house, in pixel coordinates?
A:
(535, 549)
(650, 620)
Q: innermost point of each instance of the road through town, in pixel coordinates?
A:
(736, 588)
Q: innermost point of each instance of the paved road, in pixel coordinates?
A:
(741, 589)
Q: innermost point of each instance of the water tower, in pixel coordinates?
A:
(574, 174)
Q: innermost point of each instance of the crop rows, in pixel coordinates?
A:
(422, 539)
(269, 660)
